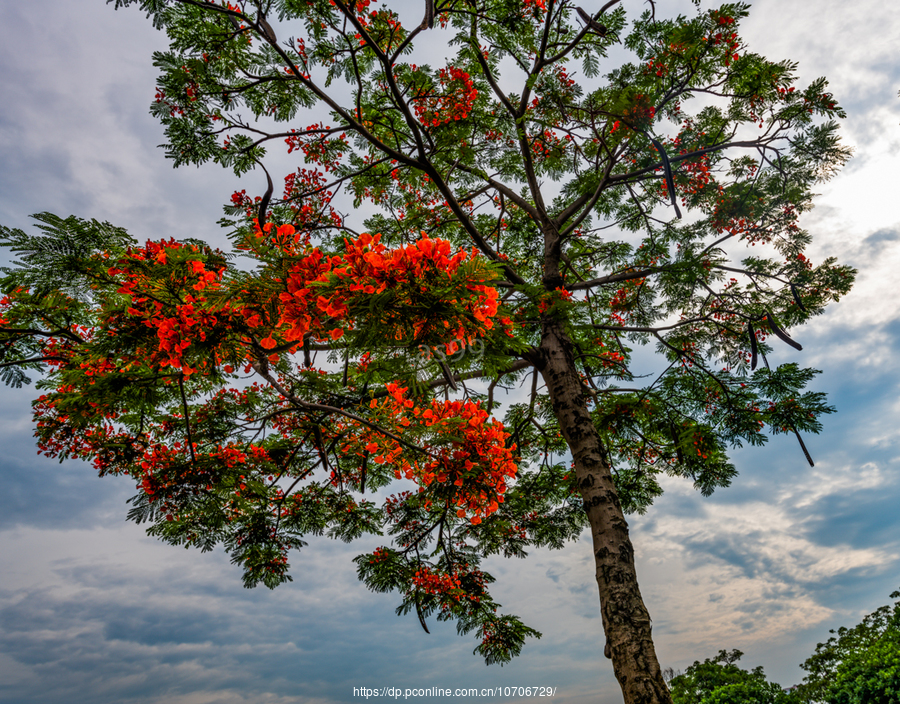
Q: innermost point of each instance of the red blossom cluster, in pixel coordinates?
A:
(547, 144)
(623, 300)
(432, 581)
(310, 202)
(471, 473)
(179, 321)
(454, 103)
(730, 39)
(638, 116)
(657, 66)
(697, 172)
(551, 299)
(379, 555)
(322, 290)
(316, 146)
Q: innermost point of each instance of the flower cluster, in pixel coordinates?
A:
(553, 300)
(323, 292)
(729, 39)
(166, 283)
(316, 146)
(471, 473)
(450, 585)
(432, 582)
(454, 103)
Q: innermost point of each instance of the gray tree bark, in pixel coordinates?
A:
(625, 617)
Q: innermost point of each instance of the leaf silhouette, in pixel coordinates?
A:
(591, 22)
(266, 28)
(428, 21)
(264, 203)
(754, 350)
(667, 167)
(445, 370)
(781, 334)
(803, 447)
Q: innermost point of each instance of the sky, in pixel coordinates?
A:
(93, 610)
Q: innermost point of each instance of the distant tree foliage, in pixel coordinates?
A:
(720, 681)
(858, 665)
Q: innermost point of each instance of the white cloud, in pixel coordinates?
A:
(851, 44)
(827, 479)
(748, 571)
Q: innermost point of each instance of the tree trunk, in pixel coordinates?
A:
(625, 618)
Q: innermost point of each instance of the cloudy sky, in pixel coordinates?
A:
(91, 610)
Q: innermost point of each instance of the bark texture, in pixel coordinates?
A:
(625, 618)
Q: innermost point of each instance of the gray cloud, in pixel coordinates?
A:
(114, 632)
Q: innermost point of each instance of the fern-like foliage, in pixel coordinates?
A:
(52, 281)
(13, 376)
(60, 255)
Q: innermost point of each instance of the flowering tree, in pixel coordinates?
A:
(521, 230)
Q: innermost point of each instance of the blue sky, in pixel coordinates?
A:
(92, 610)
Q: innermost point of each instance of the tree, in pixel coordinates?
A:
(520, 225)
(720, 681)
(860, 665)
